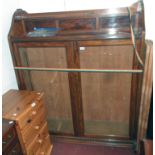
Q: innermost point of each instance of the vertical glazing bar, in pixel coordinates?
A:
(75, 89)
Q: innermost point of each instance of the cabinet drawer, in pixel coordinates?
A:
(16, 150)
(8, 138)
(29, 116)
(31, 131)
(42, 144)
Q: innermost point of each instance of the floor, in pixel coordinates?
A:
(61, 148)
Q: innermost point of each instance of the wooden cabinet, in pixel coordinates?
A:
(89, 65)
(27, 110)
(10, 141)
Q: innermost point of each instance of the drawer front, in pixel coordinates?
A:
(46, 143)
(31, 131)
(8, 138)
(28, 117)
(41, 144)
(16, 150)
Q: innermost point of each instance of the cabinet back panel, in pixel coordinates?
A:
(47, 57)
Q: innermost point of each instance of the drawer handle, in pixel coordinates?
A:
(29, 121)
(34, 112)
(37, 127)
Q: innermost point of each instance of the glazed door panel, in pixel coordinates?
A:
(55, 85)
(106, 96)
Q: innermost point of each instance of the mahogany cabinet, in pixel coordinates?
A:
(92, 67)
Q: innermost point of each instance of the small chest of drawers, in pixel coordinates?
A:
(26, 109)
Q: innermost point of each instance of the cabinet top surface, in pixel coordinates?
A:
(14, 102)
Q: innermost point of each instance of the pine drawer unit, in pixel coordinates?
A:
(26, 109)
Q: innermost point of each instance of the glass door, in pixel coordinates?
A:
(80, 99)
(106, 96)
(55, 85)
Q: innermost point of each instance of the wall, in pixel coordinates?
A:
(65, 5)
(8, 79)
(149, 22)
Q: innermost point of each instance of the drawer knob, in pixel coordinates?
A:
(10, 122)
(15, 114)
(40, 141)
(42, 153)
(33, 104)
(34, 112)
(37, 127)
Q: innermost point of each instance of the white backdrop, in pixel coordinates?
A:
(65, 5)
(9, 6)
